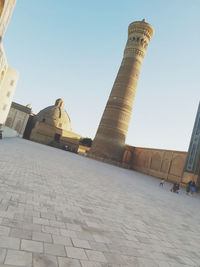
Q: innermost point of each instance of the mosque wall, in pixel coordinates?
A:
(45, 134)
(160, 163)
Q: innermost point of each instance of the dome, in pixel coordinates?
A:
(55, 116)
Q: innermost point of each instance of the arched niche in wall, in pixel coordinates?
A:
(127, 157)
(147, 159)
(8, 122)
(156, 161)
(165, 165)
(141, 159)
(177, 166)
(18, 126)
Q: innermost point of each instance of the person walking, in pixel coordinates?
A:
(162, 182)
(188, 187)
(192, 188)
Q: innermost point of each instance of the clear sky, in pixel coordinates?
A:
(73, 49)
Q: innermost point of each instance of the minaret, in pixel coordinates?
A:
(109, 142)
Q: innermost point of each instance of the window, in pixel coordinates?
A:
(8, 94)
(12, 82)
(4, 107)
(60, 125)
(57, 137)
(43, 120)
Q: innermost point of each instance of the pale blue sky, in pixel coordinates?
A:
(73, 50)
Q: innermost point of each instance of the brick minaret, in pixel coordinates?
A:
(110, 138)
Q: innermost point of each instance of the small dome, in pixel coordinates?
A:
(55, 116)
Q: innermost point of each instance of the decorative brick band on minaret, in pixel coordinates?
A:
(110, 138)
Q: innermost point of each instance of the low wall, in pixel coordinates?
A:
(8, 132)
(168, 164)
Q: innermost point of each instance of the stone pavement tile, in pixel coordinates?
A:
(48, 215)
(21, 217)
(30, 245)
(73, 227)
(54, 249)
(128, 243)
(32, 213)
(6, 265)
(20, 233)
(41, 221)
(64, 219)
(57, 224)
(2, 254)
(114, 265)
(4, 230)
(9, 242)
(18, 258)
(62, 240)
(113, 247)
(176, 264)
(90, 264)
(31, 226)
(41, 260)
(85, 236)
(65, 262)
(76, 253)
(11, 223)
(98, 246)
(163, 264)
(101, 238)
(7, 214)
(130, 261)
(95, 256)
(50, 230)
(68, 233)
(131, 251)
(44, 237)
(144, 262)
(188, 261)
(81, 243)
(114, 258)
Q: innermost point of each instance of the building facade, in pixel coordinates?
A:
(109, 142)
(18, 117)
(8, 76)
(6, 92)
(192, 166)
(6, 10)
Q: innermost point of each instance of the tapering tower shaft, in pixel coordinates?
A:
(110, 138)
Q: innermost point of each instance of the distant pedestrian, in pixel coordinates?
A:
(192, 188)
(175, 187)
(162, 182)
(188, 187)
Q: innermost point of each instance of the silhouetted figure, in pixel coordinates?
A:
(175, 187)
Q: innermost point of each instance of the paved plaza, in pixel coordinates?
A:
(60, 209)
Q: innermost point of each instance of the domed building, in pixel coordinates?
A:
(52, 126)
(55, 116)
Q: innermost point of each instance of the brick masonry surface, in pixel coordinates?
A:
(58, 209)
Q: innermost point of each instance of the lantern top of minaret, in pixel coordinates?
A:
(142, 24)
